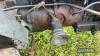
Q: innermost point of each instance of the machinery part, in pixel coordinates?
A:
(73, 5)
(24, 19)
(43, 22)
(94, 3)
(9, 27)
(59, 37)
(88, 26)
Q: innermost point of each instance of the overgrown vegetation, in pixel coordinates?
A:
(40, 44)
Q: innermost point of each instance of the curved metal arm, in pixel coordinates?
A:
(94, 3)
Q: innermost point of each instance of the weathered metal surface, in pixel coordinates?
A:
(10, 28)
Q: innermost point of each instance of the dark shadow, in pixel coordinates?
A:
(6, 42)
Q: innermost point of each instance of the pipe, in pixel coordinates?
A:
(88, 6)
(76, 6)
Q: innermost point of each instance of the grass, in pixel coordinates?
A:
(40, 44)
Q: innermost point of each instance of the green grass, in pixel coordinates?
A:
(40, 44)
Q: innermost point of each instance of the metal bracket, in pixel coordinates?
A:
(88, 26)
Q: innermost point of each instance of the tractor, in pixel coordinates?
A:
(21, 17)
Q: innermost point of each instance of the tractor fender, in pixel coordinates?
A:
(11, 28)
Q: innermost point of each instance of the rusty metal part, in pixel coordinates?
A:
(41, 19)
(59, 37)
